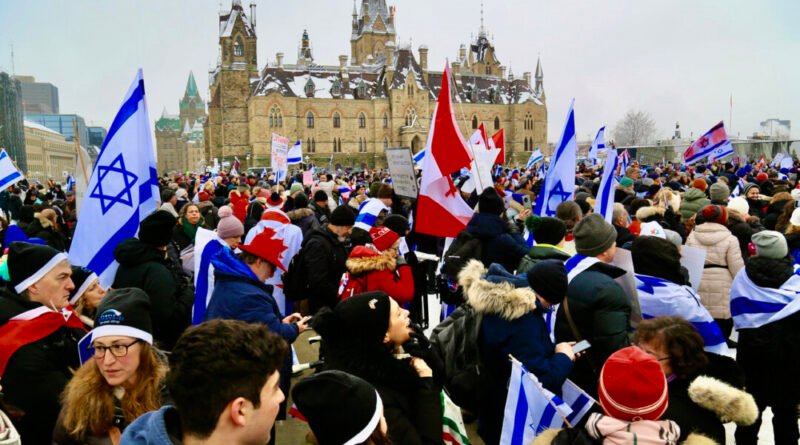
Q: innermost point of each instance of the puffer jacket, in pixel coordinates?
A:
(723, 262)
(499, 244)
(693, 200)
(512, 323)
(369, 270)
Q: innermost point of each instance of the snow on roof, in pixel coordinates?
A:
(36, 126)
(227, 22)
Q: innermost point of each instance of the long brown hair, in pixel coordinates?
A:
(89, 399)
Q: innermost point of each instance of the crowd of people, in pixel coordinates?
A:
(147, 361)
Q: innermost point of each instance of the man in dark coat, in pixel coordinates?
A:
(144, 264)
(327, 254)
(38, 337)
(598, 306)
(499, 244)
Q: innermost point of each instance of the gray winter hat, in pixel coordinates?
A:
(770, 244)
(593, 235)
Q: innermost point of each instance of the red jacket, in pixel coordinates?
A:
(240, 203)
(369, 270)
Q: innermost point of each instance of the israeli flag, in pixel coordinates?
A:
(295, 155)
(598, 144)
(206, 245)
(542, 173)
(536, 156)
(624, 161)
(420, 156)
(531, 409)
(559, 184)
(659, 297)
(70, 183)
(753, 306)
(368, 213)
(605, 194)
(122, 190)
(9, 175)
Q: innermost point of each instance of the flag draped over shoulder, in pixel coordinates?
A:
(754, 306)
(368, 213)
(605, 194)
(440, 209)
(659, 297)
(122, 190)
(206, 245)
(531, 409)
(9, 175)
(559, 183)
(715, 142)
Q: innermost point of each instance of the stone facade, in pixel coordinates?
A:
(384, 97)
(48, 153)
(179, 139)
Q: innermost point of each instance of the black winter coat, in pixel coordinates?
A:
(499, 245)
(601, 311)
(37, 373)
(49, 234)
(171, 293)
(324, 265)
(743, 230)
(774, 210)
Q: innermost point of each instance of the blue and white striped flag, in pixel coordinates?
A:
(559, 184)
(9, 175)
(542, 172)
(605, 194)
(531, 409)
(420, 156)
(206, 245)
(624, 161)
(659, 297)
(598, 144)
(536, 156)
(123, 188)
(368, 213)
(70, 183)
(736, 192)
(753, 306)
(295, 155)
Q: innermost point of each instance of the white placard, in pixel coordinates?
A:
(279, 155)
(401, 166)
(693, 259)
(624, 260)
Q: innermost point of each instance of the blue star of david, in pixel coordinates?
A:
(121, 177)
(557, 191)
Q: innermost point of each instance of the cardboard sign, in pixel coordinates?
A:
(308, 178)
(401, 166)
(279, 155)
(693, 259)
(623, 260)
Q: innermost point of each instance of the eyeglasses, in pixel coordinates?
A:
(660, 359)
(116, 350)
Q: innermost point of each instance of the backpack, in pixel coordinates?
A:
(526, 264)
(464, 248)
(456, 341)
(295, 280)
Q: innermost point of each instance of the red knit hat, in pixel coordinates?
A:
(267, 247)
(761, 177)
(633, 386)
(715, 214)
(383, 238)
(700, 183)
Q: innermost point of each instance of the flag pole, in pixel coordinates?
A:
(452, 81)
(78, 151)
(539, 386)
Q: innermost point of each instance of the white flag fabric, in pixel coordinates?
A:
(754, 306)
(484, 157)
(598, 144)
(123, 188)
(9, 175)
(605, 194)
(295, 155)
(659, 297)
(206, 245)
(559, 184)
(531, 409)
(368, 213)
(536, 156)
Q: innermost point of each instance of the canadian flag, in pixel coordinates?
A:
(499, 140)
(440, 209)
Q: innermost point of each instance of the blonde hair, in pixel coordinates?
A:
(89, 400)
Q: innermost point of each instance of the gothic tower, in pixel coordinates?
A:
(227, 130)
(373, 28)
(192, 107)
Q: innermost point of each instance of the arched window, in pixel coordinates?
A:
(410, 90)
(336, 88)
(309, 88)
(385, 120)
(474, 122)
(238, 48)
(275, 117)
(337, 145)
(496, 123)
(411, 117)
(313, 147)
(525, 144)
(385, 143)
(361, 90)
(362, 120)
(308, 144)
(310, 120)
(337, 120)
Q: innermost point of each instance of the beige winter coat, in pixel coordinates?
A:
(722, 249)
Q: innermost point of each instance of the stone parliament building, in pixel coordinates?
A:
(382, 96)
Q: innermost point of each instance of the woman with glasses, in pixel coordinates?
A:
(122, 377)
(705, 389)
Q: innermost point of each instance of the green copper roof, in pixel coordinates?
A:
(191, 87)
(166, 123)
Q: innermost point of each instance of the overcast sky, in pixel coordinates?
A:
(678, 60)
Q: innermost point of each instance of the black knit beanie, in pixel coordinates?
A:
(343, 216)
(28, 263)
(657, 257)
(546, 230)
(124, 312)
(156, 229)
(360, 319)
(549, 279)
(490, 202)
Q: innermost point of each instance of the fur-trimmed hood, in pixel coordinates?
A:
(728, 403)
(298, 214)
(644, 214)
(365, 259)
(501, 299)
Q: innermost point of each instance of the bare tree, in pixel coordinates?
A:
(636, 128)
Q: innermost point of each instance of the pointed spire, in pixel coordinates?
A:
(483, 30)
(539, 75)
(164, 113)
(191, 86)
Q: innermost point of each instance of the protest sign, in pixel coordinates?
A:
(401, 166)
(279, 156)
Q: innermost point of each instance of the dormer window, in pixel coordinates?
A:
(336, 88)
(361, 90)
(309, 88)
(238, 48)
